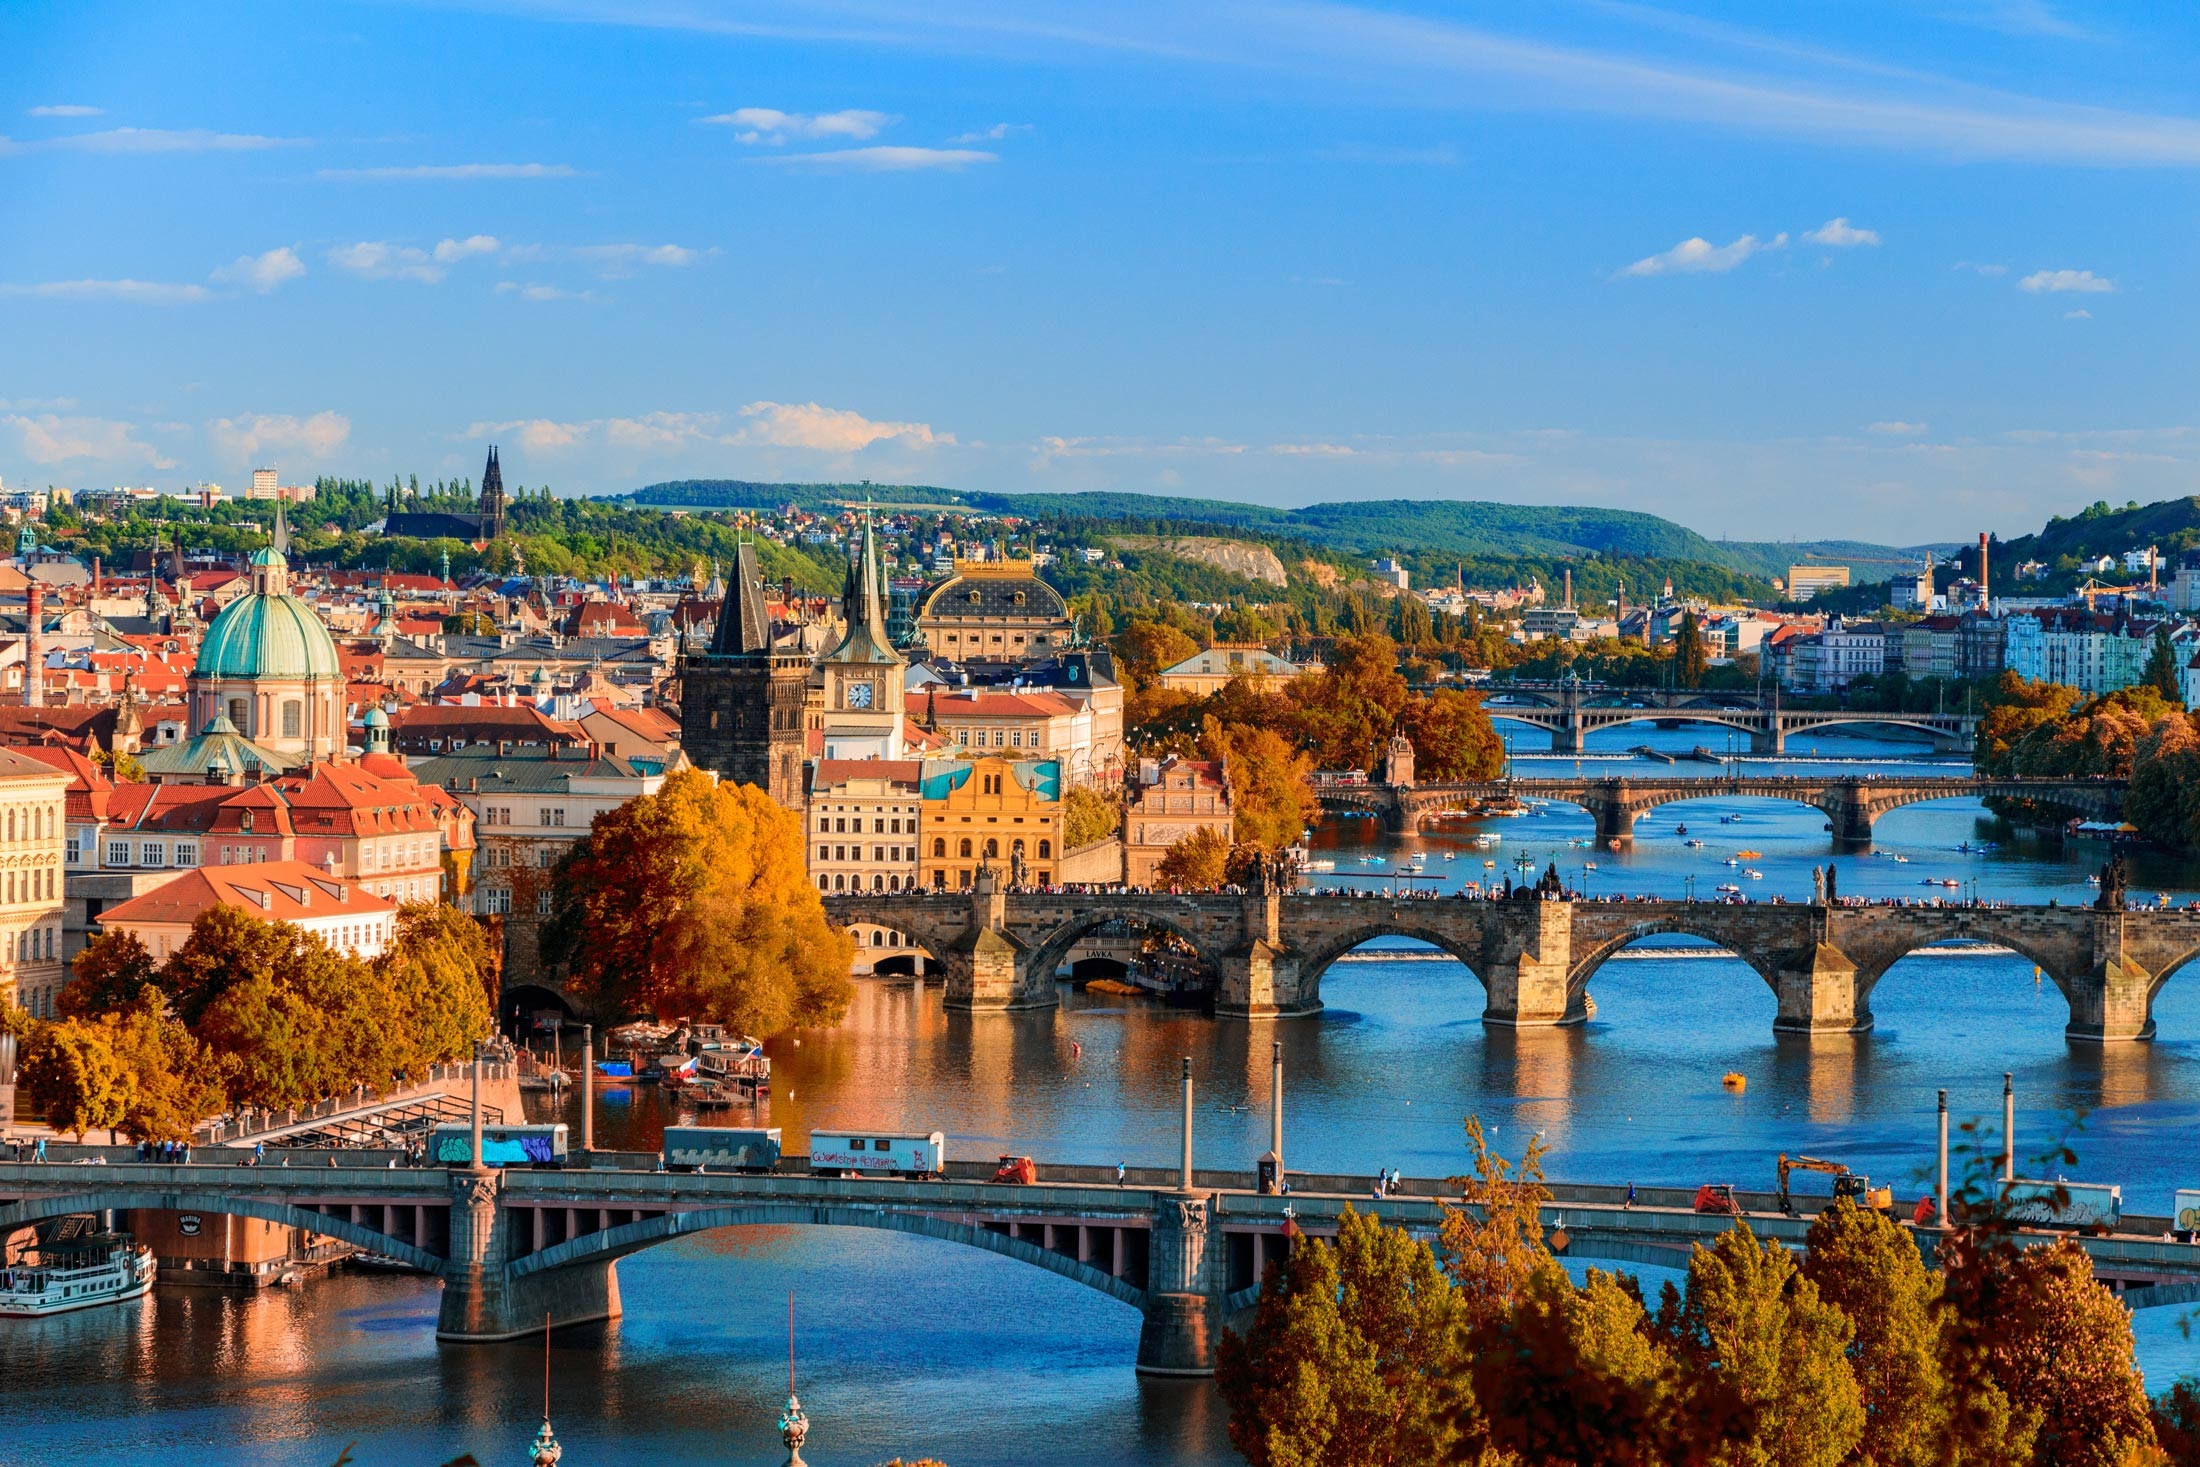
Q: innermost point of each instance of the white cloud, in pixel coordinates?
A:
(998, 132)
(62, 109)
(828, 430)
(263, 272)
(1982, 269)
(619, 260)
(255, 436)
(1896, 428)
(159, 140)
(451, 251)
(770, 126)
(536, 292)
(536, 435)
(2056, 281)
(1839, 234)
(380, 260)
(48, 439)
(448, 171)
(887, 159)
(1700, 256)
(2077, 315)
(1313, 450)
(141, 292)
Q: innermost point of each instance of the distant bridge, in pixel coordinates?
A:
(515, 1248)
(1571, 712)
(1534, 959)
(1851, 802)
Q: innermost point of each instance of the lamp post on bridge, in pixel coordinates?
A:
(1185, 1183)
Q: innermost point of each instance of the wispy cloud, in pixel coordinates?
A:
(451, 172)
(1839, 234)
(62, 109)
(1699, 256)
(998, 132)
(1896, 428)
(451, 251)
(262, 272)
(2077, 315)
(51, 439)
(380, 260)
(140, 292)
(151, 140)
(805, 426)
(770, 126)
(1978, 269)
(885, 160)
(2054, 282)
(532, 291)
(254, 436)
(615, 261)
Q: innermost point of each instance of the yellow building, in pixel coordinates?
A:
(32, 833)
(1206, 673)
(994, 612)
(1001, 813)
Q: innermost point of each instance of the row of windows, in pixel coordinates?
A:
(992, 848)
(552, 815)
(32, 822)
(842, 881)
(501, 857)
(838, 825)
(878, 853)
(496, 901)
(939, 877)
(32, 885)
(1002, 738)
(37, 945)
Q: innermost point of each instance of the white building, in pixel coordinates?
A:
(342, 913)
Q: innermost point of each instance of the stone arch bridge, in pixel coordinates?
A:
(1571, 713)
(1852, 803)
(1535, 959)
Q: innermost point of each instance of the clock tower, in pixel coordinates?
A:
(863, 675)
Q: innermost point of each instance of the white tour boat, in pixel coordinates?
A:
(73, 1270)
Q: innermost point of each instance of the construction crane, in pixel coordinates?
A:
(1857, 1188)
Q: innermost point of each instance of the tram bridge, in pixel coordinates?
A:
(514, 1248)
(1852, 803)
(1571, 712)
(1535, 959)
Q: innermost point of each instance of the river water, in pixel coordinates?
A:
(912, 1347)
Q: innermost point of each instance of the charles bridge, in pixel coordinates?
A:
(1570, 712)
(1852, 803)
(999, 949)
(512, 1249)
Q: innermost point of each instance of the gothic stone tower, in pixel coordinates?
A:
(741, 701)
(492, 498)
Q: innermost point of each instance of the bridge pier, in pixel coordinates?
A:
(2113, 1002)
(1771, 740)
(1851, 817)
(1569, 738)
(1526, 967)
(1615, 820)
(1262, 977)
(482, 1302)
(1817, 994)
(1184, 1278)
(989, 968)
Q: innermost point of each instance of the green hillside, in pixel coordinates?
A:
(2172, 526)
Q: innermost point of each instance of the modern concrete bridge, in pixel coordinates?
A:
(512, 1248)
(1852, 803)
(1570, 713)
(1535, 959)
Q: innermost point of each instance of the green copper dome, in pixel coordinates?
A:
(269, 634)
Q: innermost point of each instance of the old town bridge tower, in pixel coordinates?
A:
(741, 700)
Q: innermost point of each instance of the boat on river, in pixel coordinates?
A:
(70, 1265)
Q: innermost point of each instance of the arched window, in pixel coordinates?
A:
(965, 851)
(293, 718)
(840, 883)
(236, 715)
(939, 847)
(824, 883)
(11, 822)
(1016, 846)
(992, 847)
(1046, 848)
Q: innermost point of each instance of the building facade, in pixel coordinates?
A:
(994, 612)
(269, 666)
(1176, 799)
(863, 824)
(1002, 814)
(33, 822)
(341, 913)
(742, 698)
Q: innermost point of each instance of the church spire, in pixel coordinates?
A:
(744, 622)
(492, 497)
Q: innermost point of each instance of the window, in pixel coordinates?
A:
(840, 827)
(496, 900)
(553, 817)
(542, 902)
(824, 853)
(939, 848)
(824, 826)
(992, 848)
(878, 853)
(187, 853)
(545, 857)
(75, 851)
(293, 718)
(118, 853)
(824, 883)
(840, 883)
(897, 827)
(1046, 849)
(1016, 739)
(840, 853)
(155, 853)
(878, 882)
(965, 851)
(878, 827)
(236, 715)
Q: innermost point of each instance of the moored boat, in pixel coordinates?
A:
(70, 1267)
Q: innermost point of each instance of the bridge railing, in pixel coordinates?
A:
(364, 1099)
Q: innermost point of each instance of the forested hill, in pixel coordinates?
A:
(2171, 526)
(1422, 532)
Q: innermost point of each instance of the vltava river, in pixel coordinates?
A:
(912, 1347)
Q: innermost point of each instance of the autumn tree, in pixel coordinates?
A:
(1353, 1357)
(173, 1077)
(110, 973)
(2164, 798)
(1089, 814)
(1272, 794)
(1493, 1242)
(73, 1076)
(1453, 739)
(696, 901)
(227, 945)
(1750, 1324)
(1198, 862)
(272, 1043)
(1870, 1270)
(441, 978)
(2015, 707)
(1346, 712)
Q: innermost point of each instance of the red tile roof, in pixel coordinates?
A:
(274, 891)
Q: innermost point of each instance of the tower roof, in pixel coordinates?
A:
(866, 641)
(744, 622)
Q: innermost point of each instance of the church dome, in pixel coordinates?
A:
(268, 635)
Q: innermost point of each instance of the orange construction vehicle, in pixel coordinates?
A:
(1017, 1169)
(1857, 1188)
(1718, 1197)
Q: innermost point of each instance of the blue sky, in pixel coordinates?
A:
(1894, 269)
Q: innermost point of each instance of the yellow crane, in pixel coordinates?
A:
(1852, 1185)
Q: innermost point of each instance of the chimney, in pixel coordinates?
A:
(1569, 588)
(1985, 595)
(95, 575)
(34, 650)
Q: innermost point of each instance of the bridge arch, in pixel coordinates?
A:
(31, 1210)
(612, 1243)
(1705, 928)
(1049, 951)
(1320, 957)
(1966, 924)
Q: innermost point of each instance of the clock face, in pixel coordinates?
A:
(859, 695)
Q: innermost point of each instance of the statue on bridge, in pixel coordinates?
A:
(1817, 886)
(2113, 883)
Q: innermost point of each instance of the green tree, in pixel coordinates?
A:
(173, 1077)
(1690, 660)
(272, 1041)
(1453, 739)
(110, 973)
(696, 901)
(226, 946)
(2162, 673)
(441, 978)
(1353, 1358)
(1870, 1270)
(1751, 1324)
(71, 1073)
(1089, 814)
